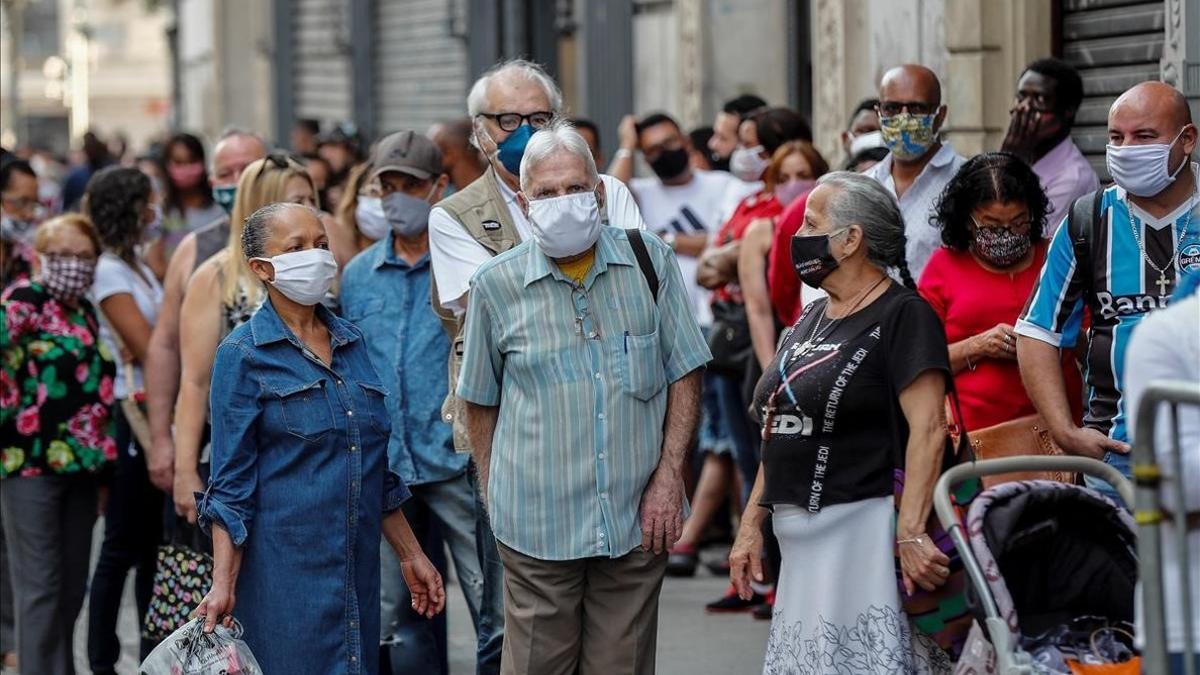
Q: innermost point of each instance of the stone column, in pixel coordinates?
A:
(1181, 50)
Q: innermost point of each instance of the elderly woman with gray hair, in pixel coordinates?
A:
(853, 397)
(300, 491)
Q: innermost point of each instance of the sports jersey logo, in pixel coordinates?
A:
(1189, 258)
(792, 425)
(1112, 306)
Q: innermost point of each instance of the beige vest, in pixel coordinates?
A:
(482, 211)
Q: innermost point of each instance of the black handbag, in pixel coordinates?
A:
(729, 340)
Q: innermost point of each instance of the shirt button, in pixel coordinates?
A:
(601, 535)
(601, 416)
(601, 455)
(350, 413)
(353, 448)
(339, 382)
(603, 495)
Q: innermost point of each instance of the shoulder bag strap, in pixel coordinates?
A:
(643, 259)
(1083, 223)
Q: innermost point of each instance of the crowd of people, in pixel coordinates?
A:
(333, 368)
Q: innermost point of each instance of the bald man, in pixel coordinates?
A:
(461, 161)
(918, 164)
(235, 150)
(1119, 253)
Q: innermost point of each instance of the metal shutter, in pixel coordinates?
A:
(420, 63)
(1115, 44)
(321, 81)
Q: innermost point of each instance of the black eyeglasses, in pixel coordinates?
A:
(893, 108)
(280, 160)
(512, 121)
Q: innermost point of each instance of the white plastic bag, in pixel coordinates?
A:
(191, 651)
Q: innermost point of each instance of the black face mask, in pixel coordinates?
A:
(670, 163)
(812, 259)
(717, 162)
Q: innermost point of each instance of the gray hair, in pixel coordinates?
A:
(862, 201)
(257, 229)
(477, 100)
(558, 136)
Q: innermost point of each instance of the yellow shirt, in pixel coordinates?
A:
(578, 270)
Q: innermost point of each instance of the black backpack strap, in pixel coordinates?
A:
(643, 259)
(1083, 223)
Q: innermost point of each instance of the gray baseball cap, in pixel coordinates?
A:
(407, 152)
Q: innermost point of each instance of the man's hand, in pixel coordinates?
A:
(662, 512)
(424, 585)
(160, 462)
(187, 483)
(1021, 137)
(627, 134)
(1088, 442)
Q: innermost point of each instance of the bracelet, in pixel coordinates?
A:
(919, 539)
(623, 153)
(970, 366)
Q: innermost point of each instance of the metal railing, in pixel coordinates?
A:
(1149, 514)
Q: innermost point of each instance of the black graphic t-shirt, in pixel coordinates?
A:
(831, 406)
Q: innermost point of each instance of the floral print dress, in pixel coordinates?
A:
(56, 386)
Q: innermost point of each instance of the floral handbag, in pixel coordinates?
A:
(183, 576)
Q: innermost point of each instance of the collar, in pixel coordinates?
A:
(387, 254)
(507, 192)
(266, 327)
(610, 250)
(943, 157)
(1191, 202)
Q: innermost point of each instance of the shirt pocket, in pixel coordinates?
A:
(377, 407)
(641, 368)
(359, 312)
(306, 410)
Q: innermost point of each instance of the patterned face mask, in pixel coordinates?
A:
(67, 277)
(999, 246)
(906, 135)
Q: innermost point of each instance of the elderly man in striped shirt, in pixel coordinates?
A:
(581, 377)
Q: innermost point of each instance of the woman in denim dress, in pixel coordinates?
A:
(300, 490)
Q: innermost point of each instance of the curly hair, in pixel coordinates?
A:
(114, 200)
(989, 177)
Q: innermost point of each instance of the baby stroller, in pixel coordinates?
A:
(1040, 556)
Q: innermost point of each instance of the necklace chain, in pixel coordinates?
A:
(1137, 238)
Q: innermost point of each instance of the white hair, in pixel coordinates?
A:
(477, 100)
(558, 136)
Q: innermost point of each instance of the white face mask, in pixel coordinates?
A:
(1143, 170)
(565, 226)
(871, 139)
(748, 164)
(370, 218)
(304, 277)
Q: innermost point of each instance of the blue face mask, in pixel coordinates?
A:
(224, 195)
(513, 148)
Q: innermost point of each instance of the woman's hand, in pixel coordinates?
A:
(187, 484)
(217, 606)
(424, 585)
(1000, 342)
(745, 560)
(922, 563)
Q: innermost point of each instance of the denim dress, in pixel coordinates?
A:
(300, 481)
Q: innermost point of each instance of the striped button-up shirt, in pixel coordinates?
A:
(580, 373)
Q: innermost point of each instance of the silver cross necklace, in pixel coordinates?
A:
(1162, 282)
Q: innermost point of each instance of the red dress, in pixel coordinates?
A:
(761, 204)
(971, 300)
(782, 283)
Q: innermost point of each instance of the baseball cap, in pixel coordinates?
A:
(407, 152)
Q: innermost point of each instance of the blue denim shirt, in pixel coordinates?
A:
(300, 482)
(389, 300)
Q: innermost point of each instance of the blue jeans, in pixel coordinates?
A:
(1120, 463)
(453, 506)
(733, 409)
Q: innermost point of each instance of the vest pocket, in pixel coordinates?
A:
(641, 370)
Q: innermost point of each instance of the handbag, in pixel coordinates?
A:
(182, 577)
(729, 338)
(133, 406)
(941, 613)
(1028, 435)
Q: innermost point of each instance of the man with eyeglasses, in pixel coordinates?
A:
(1049, 92)
(918, 164)
(20, 213)
(507, 104)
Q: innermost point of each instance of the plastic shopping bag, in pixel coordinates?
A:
(191, 651)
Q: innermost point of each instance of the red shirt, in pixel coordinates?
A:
(971, 300)
(761, 204)
(782, 282)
